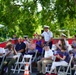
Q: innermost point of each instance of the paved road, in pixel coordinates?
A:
(22, 73)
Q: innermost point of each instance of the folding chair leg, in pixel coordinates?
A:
(30, 68)
(19, 69)
(15, 68)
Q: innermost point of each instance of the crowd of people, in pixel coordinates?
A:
(43, 44)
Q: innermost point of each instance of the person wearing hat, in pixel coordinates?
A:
(61, 40)
(47, 59)
(26, 40)
(48, 35)
(9, 60)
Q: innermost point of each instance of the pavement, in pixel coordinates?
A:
(23, 74)
(34, 72)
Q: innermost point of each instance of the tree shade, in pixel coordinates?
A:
(22, 16)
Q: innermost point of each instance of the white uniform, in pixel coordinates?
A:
(47, 35)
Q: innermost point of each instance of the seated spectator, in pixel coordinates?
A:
(20, 46)
(60, 44)
(14, 37)
(31, 47)
(9, 61)
(64, 57)
(47, 59)
(62, 41)
(73, 52)
(74, 43)
(39, 44)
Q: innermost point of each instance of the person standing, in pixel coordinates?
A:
(48, 35)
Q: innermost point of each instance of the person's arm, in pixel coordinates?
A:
(49, 58)
(62, 58)
(20, 51)
(38, 45)
(58, 46)
(26, 48)
(15, 52)
(1, 54)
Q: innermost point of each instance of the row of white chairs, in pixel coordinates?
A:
(20, 65)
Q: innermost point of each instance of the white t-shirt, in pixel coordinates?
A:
(47, 35)
(48, 53)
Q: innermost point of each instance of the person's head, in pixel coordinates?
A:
(9, 45)
(46, 47)
(20, 40)
(70, 52)
(63, 36)
(39, 37)
(14, 36)
(9, 40)
(74, 37)
(63, 49)
(31, 40)
(46, 28)
(26, 37)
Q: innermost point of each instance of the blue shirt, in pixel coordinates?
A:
(38, 46)
(62, 54)
(20, 46)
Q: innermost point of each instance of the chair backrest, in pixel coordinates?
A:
(27, 58)
(17, 57)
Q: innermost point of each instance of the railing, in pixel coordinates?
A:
(3, 44)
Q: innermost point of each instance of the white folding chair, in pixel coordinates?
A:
(16, 66)
(66, 69)
(2, 50)
(24, 61)
(75, 69)
(3, 57)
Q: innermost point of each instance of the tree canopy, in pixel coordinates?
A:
(22, 16)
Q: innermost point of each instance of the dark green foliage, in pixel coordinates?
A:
(24, 18)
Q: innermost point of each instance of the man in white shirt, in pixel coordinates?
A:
(48, 35)
(47, 59)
